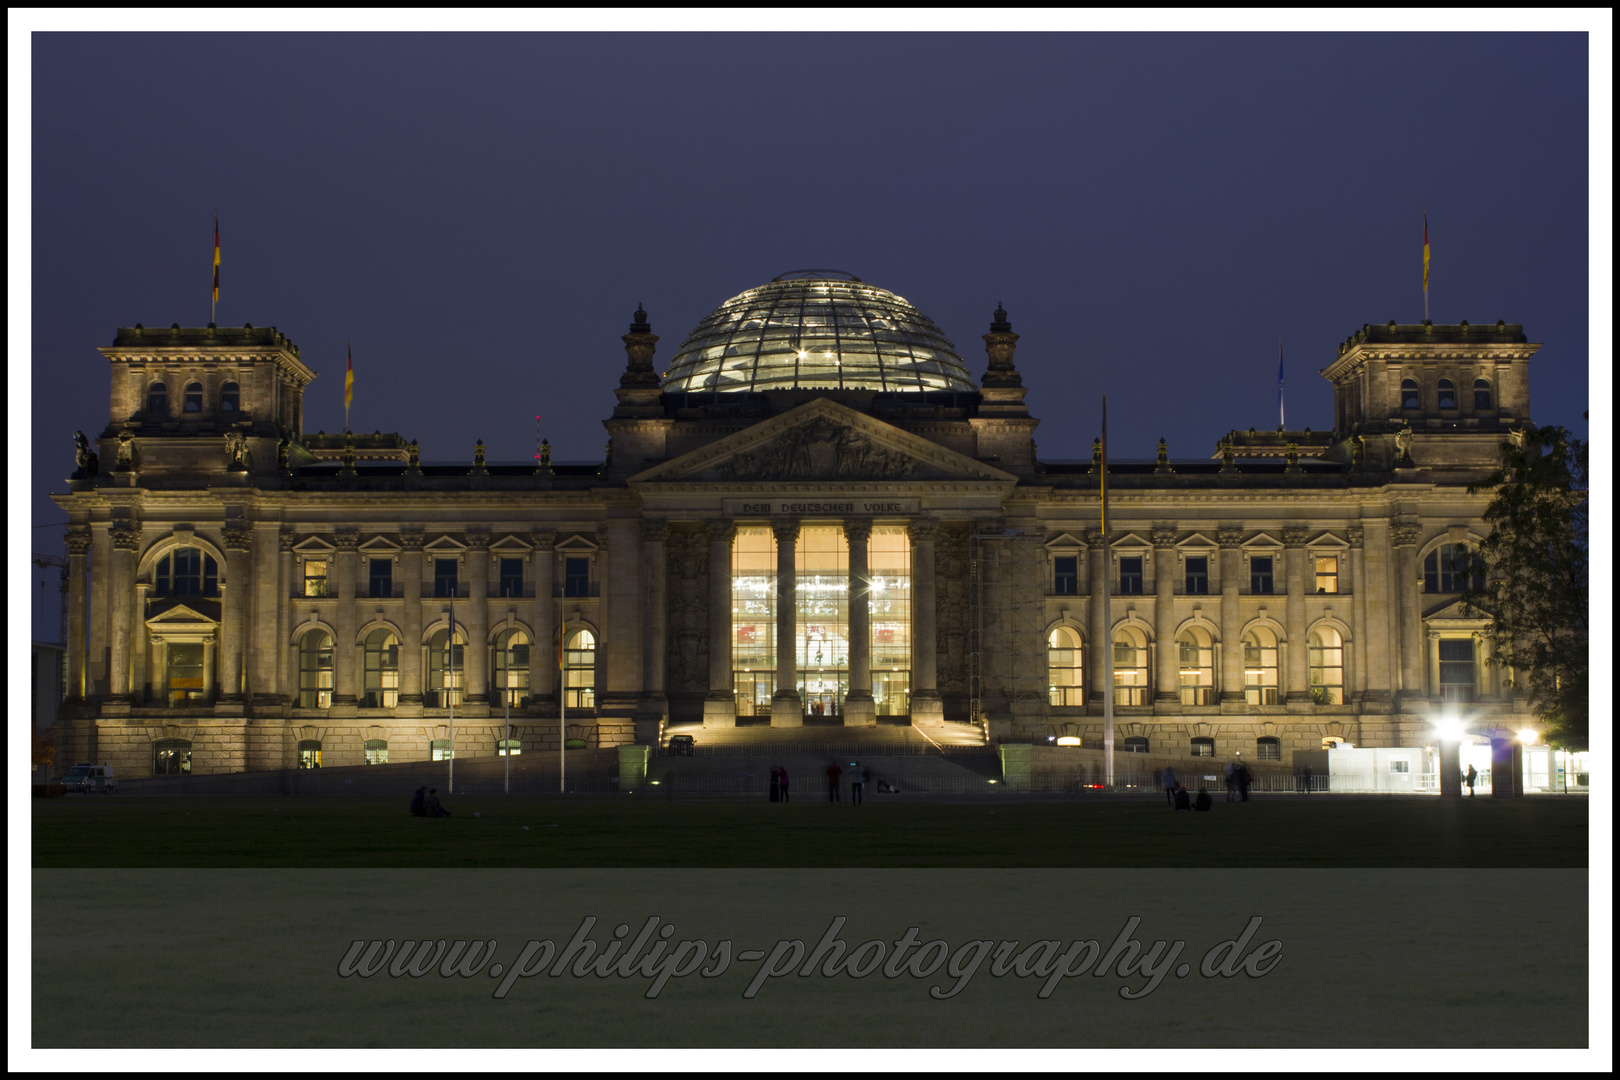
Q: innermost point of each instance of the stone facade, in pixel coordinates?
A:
(250, 593)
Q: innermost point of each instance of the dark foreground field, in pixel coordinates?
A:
(606, 831)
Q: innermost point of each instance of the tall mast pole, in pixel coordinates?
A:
(450, 693)
(1107, 644)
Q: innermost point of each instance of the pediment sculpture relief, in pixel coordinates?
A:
(819, 450)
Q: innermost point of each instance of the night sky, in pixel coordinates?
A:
(479, 214)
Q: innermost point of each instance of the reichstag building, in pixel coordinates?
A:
(816, 515)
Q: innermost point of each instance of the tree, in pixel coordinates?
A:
(1535, 564)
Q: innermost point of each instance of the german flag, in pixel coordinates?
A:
(216, 258)
(348, 382)
(1425, 254)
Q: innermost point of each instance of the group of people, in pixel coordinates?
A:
(425, 803)
(1238, 779)
(779, 784)
(858, 776)
(1180, 798)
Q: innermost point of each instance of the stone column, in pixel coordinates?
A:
(1298, 681)
(1406, 600)
(345, 655)
(160, 677)
(121, 591)
(138, 676)
(1376, 612)
(720, 704)
(263, 633)
(78, 545)
(926, 704)
(410, 650)
(787, 708)
(1231, 542)
(233, 609)
(477, 616)
(859, 709)
(654, 703)
(1167, 654)
(286, 653)
(1358, 610)
(101, 560)
(209, 654)
(1096, 569)
(1431, 658)
(543, 656)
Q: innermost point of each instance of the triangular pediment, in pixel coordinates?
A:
(1065, 542)
(1196, 542)
(1262, 541)
(1129, 540)
(313, 547)
(1327, 540)
(511, 545)
(578, 543)
(1454, 610)
(445, 545)
(182, 614)
(821, 440)
(379, 545)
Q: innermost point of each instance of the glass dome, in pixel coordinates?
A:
(816, 329)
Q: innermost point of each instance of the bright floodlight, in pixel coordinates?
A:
(1450, 726)
(1527, 735)
(1068, 740)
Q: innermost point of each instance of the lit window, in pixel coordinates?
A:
(314, 577)
(1198, 575)
(1456, 669)
(444, 577)
(1448, 394)
(382, 577)
(157, 400)
(376, 751)
(508, 748)
(1130, 575)
(1400, 765)
(186, 571)
(512, 577)
(441, 750)
(230, 398)
(579, 669)
(1268, 748)
(1409, 394)
(1196, 651)
(309, 754)
(576, 577)
(1065, 575)
(1260, 684)
(381, 690)
(1326, 650)
(1327, 573)
(171, 757)
(1064, 668)
(512, 668)
(1203, 746)
(315, 670)
(1482, 395)
(447, 670)
(1260, 575)
(1448, 568)
(1130, 667)
(193, 397)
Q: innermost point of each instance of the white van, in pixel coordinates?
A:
(87, 777)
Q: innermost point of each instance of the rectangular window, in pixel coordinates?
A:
(1130, 575)
(753, 620)
(576, 577)
(1066, 575)
(444, 577)
(1457, 669)
(314, 577)
(1327, 573)
(382, 577)
(1399, 765)
(1198, 575)
(511, 577)
(1260, 575)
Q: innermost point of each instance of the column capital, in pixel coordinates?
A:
(1355, 536)
(288, 537)
(239, 537)
(654, 530)
(1164, 538)
(721, 531)
(1229, 538)
(786, 529)
(124, 536)
(410, 540)
(544, 539)
(1405, 534)
(346, 539)
(858, 529)
(924, 530)
(78, 541)
(477, 537)
(1295, 538)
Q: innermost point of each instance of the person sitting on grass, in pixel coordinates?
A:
(432, 806)
(419, 803)
(1183, 799)
(1203, 802)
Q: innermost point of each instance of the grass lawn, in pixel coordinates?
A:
(606, 831)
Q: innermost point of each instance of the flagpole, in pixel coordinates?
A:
(508, 748)
(214, 302)
(1425, 264)
(1282, 423)
(562, 700)
(450, 694)
(1107, 623)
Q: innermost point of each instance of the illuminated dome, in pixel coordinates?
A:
(816, 329)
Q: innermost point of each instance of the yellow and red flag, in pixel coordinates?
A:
(348, 382)
(1425, 254)
(216, 258)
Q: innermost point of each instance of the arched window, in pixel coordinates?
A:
(1327, 666)
(1448, 568)
(1203, 746)
(376, 751)
(1064, 668)
(1409, 394)
(1447, 394)
(381, 689)
(315, 670)
(186, 571)
(309, 753)
(1482, 395)
(508, 747)
(447, 670)
(171, 757)
(1260, 685)
(157, 400)
(1130, 666)
(579, 669)
(1136, 744)
(230, 398)
(441, 750)
(1268, 748)
(511, 668)
(1197, 653)
(193, 397)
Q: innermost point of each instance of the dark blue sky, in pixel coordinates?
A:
(480, 214)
